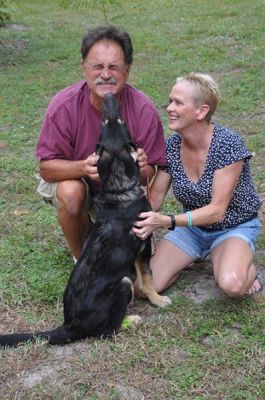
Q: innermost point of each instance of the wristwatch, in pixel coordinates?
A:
(173, 222)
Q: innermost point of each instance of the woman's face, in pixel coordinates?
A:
(182, 111)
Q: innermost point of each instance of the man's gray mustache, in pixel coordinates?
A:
(110, 81)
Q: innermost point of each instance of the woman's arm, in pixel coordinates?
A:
(224, 183)
(159, 189)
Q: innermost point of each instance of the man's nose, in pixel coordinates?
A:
(105, 73)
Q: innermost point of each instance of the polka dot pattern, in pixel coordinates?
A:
(226, 148)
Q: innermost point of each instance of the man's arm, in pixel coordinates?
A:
(60, 170)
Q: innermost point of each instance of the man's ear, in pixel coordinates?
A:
(202, 111)
(128, 71)
(83, 67)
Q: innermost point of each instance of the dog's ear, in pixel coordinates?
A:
(104, 165)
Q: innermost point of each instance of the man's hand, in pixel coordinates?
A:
(141, 158)
(147, 171)
(90, 167)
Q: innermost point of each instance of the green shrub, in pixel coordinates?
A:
(4, 13)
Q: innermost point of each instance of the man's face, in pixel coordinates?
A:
(105, 70)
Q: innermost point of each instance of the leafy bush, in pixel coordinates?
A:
(4, 13)
(101, 5)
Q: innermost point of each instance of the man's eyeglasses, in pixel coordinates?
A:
(101, 67)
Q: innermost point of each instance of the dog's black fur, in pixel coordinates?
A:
(98, 291)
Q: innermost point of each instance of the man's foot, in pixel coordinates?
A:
(256, 287)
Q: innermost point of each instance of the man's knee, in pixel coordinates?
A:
(71, 196)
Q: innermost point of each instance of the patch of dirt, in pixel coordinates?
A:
(10, 46)
(3, 145)
(11, 49)
(203, 286)
(129, 392)
(12, 321)
(17, 27)
(31, 379)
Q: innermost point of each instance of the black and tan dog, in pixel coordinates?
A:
(99, 290)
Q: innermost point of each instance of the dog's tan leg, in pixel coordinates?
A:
(144, 283)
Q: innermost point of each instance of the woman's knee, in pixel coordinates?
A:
(232, 284)
(71, 196)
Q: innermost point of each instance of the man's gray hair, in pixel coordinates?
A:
(113, 33)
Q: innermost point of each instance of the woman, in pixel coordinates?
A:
(208, 167)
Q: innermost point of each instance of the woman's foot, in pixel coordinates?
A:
(256, 287)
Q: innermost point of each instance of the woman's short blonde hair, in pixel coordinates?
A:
(206, 91)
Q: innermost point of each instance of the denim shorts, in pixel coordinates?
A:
(198, 243)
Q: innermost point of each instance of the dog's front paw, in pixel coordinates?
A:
(163, 301)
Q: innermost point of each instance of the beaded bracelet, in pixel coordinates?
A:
(189, 218)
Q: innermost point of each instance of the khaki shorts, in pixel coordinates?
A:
(48, 191)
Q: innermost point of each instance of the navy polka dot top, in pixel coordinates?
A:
(226, 148)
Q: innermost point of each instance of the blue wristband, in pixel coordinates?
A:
(189, 218)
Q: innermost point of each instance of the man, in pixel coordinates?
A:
(70, 130)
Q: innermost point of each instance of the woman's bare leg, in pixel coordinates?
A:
(166, 264)
(233, 267)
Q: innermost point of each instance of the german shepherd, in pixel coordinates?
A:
(99, 290)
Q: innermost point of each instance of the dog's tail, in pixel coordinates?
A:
(61, 335)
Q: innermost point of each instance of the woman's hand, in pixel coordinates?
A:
(149, 222)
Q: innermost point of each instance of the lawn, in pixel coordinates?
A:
(204, 346)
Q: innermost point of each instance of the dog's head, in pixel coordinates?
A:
(115, 144)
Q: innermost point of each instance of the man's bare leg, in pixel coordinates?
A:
(72, 213)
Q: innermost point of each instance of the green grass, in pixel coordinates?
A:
(212, 350)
